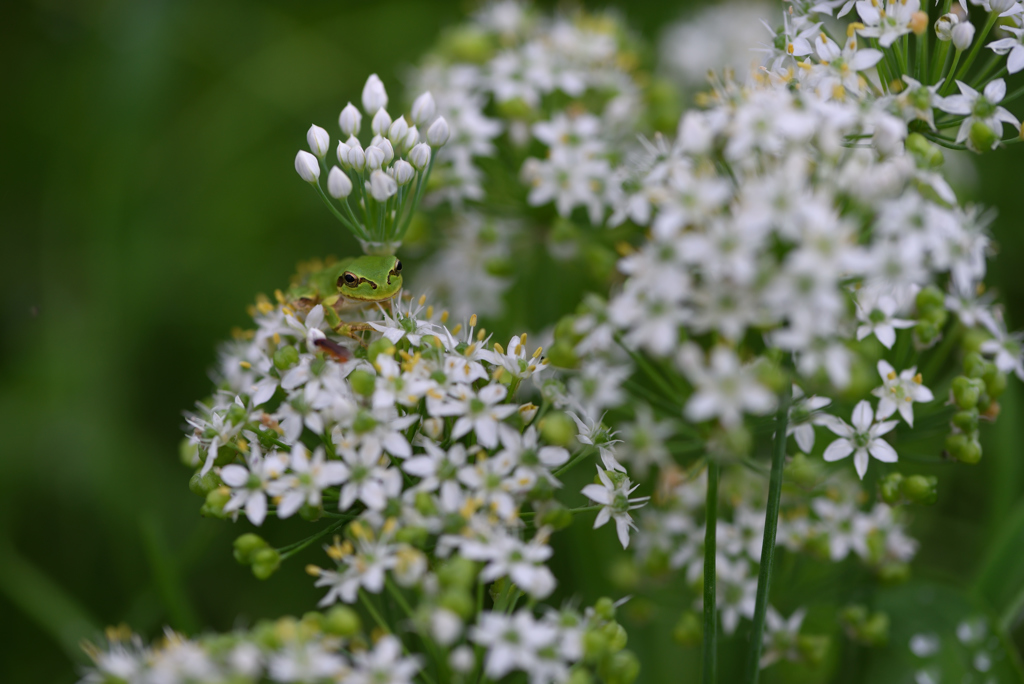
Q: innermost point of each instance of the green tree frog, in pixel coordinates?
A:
(351, 282)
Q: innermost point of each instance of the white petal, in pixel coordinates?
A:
(256, 508)
(860, 462)
(234, 475)
(862, 416)
(840, 448)
(995, 91)
(883, 451)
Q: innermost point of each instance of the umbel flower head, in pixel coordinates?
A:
(374, 190)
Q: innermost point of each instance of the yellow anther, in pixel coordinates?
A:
(389, 526)
(839, 92)
(918, 379)
(907, 399)
(277, 338)
(287, 310)
(243, 446)
(790, 49)
(245, 364)
(444, 316)
(471, 349)
(423, 299)
(824, 38)
(457, 329)
(430, 311)
(472, 321)
(538, 352)
(522, 339)
(313, 570)
(264, 307)
(404, 354)
(359, 531)
(469, 508)
(481, 334)
(279, 296)
(498, 348)
(498, 373)
(891, 375)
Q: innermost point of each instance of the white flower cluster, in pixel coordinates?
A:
(286, 652)
(828, 522)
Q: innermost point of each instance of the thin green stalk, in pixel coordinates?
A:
(948, 85)
(353, 226)
(993, 17)
(921, 65)
(710, 655)
(372, 610)
(771, 527)
(939, 65)
(292, 549)
(586, 451)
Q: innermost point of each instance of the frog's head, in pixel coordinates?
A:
(371, 278)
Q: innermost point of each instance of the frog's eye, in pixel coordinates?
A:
(348, 278)
(398, 266)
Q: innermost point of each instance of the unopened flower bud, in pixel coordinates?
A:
(557, 428)
(434, 427)
(319, 141)
(963, 35)
(423, 109)
(265, 563)
(341, 621)
(382, 186)
(339, 186)
(419, 156)
(919, 23)
(343, 153)
(403, 172)
(356, 158)
(381, 121)
(307, 167)
(1000, 6)
(246, 547)
(982, 137)
(944, 26)
(397, 130)
(374, 157)
(437, 134)
(963, 448)
(412, 136)
(374, 95)
(350, 120)
(967, 391)
(387, 149)
(362, 382)
(922, 489)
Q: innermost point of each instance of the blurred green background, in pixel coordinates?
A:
(147, 194)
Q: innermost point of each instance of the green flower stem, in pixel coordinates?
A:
(710, 655)
(993, 17)
(921, 64)
(352, 225)
(939, 65)
(292, 549)
(372, 610)
(948, 85)
(584, 452)
(771, 527)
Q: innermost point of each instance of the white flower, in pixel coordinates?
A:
(423, 109)
(307, 479)
(1014, 47)
(899, 392)
(383, 665)
(862, 438)
(379, 125)
(419, 156)
(594, 433)
(1006, 348)
(307, 166)
(365, 563)
(374, 95)
(723, 389)
(877, 319)
(438, 133)
(525, 451)
(613, 495)
(780, 636)
(367, 479)
(381, 186)
(339, 185)
(836, 522)
(804, 414)
(515, 360)
(514, 643)
(962, 35)
(477, 411)
(249, 483)
(736, 593)
(319, 141)
(522, 562)
(979, 108)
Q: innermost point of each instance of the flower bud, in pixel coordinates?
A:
(286, 357)
(381, 122)
(1000, 6)
(319, 141)
(921, 489)
(944, 26)
(339, 186)
(557, 428)
(265, 563)
(389, 151)
(403, 172)
(434, 427)
(963, 448)
(382, 186)
(967, 391)
(919, 23)
(374, 157)
(982, 137)
(341, 621)
(437, 134)
(374, 95)
(412, 136)
(890, 488)
(343, 153)
(527, 412)
(962, 35)
(307, 167)
(215, 502)
(246, 547)
(419, 156)
(362, 382)
(356, 157)
(350, 120)
(688, 631)
(397, 130)
(423, 109)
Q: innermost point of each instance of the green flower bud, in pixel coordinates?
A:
(926, 332)
(922, 489)
(963, 448)
(813, 647)
(516, 108)
(565, 330)
(605, 608)
(624, 574)
(982, 136)
(562, 355)
(286, 357)
(459, 602)
(383, 345)
(188, 452)
(425, 504)
(458, 573)
(974, 365)
(362, 382)
(311, 513)
(928, 153)
(929, 297)
(557, 428)
(413, 536)
(688, 631)
(973, 339)
(311, 624)
(246, 547)
(213, 507)
(875, 631)
(803, 471)
(580, 675)
(265, 563)
(966, 421)
(202, 485)
(557, 518)
(894, 573)
(595, 646)
(623, 668)
(265, 635)
(616, 635)
(342, 621)
(500, 267)
(995, 381)
(600, 261)
(890, 488)
(967, 391)
(738, 440)
(936, 317)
